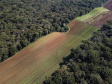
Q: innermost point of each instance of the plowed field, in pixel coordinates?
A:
(41, 58)
(109, 5)
(101, 20)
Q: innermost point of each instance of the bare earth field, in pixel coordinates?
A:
(101, 20)
(109, 5)
(16, 66)
(41, 58)
(75, 27)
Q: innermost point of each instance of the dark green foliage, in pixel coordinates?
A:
(12, 51)
(91, 62)
(61, 78)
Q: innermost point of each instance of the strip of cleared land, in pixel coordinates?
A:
(41, 58)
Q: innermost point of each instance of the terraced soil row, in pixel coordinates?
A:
(105, 17)
(99, 22)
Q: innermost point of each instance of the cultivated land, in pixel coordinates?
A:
(109, 5)
(93, 15)
(41, 58)
(100, 21)
(98, 16)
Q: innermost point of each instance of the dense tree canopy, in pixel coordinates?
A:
(90, 63)
(24, 21)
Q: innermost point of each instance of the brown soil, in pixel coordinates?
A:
(109, 5)
(22, 54)
(17, 68)
(20, 66)
(75, 27)
(35, 56)
(103, 19)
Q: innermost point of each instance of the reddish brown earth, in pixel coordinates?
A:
(22, 54)
(37, 55)
(20, 66)
(76, 26)
(98, 23)
(109, 5)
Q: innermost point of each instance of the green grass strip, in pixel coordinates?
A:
(86, 30)
(92, 13)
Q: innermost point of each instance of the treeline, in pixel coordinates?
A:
(90, 63)
(24, 21)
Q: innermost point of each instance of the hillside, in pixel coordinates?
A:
(108, 5)
(24, 21)
(92, 15)
(89, 63)
(40, 59)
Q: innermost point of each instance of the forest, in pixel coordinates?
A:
(89, 63)
(24, 21)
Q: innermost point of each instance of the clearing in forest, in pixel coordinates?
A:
(41, 58)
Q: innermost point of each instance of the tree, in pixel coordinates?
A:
(12, 50)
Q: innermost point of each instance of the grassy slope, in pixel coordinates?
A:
(94, 12)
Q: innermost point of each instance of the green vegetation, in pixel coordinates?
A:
(90, 63)
(52, 63)
(24, 21)
(92, 14)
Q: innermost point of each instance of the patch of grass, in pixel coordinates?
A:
(93, 13)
